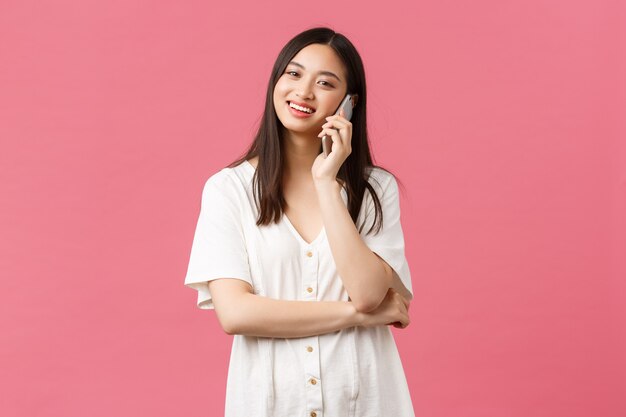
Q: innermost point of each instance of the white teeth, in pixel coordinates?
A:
(304, 109)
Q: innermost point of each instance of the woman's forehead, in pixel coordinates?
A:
(317, 57)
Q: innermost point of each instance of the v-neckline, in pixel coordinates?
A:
(299, 237)
(291, 227)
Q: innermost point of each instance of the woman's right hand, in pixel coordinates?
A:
(394, 310)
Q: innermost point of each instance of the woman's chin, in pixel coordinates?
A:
(301, 130)
(312, 134)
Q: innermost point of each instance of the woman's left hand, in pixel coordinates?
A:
(325, 169)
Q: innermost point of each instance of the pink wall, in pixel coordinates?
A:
(505, 121)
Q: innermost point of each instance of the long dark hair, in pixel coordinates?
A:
(354, 172)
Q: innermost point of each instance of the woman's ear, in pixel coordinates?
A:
(355, 99)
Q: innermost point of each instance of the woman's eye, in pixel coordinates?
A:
(327, 84)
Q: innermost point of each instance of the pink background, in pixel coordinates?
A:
(504, 120)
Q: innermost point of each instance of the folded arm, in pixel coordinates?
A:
(240, 311)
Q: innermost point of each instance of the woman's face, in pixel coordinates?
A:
(315, 78)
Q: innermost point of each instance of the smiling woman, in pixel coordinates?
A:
(310, 89)
(292, 252)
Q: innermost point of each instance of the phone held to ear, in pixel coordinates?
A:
(346, 105)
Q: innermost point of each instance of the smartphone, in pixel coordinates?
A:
(346, 105)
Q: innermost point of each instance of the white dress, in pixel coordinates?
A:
(355, 371)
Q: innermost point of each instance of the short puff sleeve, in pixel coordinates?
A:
(388, 243)
(218, 249)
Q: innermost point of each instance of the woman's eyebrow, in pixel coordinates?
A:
(331, 74)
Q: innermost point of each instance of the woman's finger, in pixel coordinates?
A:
(339, 118)
(336, 123)
(340, 127)
(405, 301)
(339, 124)
(328, 132)
(334, 134)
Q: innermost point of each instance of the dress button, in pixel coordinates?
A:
(309, 289)
(313, 414)
(309, 349)
(312, 381)
(309, 254)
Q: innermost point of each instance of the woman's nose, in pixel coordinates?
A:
(305, 91)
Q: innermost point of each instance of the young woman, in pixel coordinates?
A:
(307, 294)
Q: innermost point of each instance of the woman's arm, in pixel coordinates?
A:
(396, 282)
(240, 311)
(367, 280)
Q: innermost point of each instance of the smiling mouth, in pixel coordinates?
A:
(300, 111)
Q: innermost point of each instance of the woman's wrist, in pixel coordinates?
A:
(356, 318)
(325, 186)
